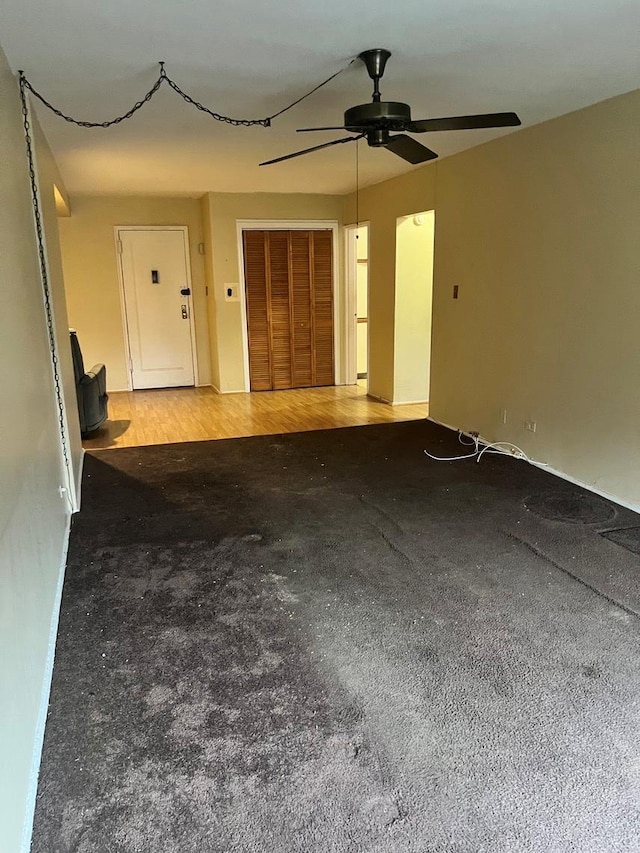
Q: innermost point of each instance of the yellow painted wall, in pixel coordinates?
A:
(222, 253)
(205, 207)
(380, 206)
(539, 229)
(91, 274)
(34, 518)
(53, 198)
(414, 292)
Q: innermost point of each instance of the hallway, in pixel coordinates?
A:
(170, 415)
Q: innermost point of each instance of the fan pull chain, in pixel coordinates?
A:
(357, 185)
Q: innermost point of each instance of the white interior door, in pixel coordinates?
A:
(158, 305)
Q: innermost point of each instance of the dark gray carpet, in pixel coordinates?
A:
(627, 537)
(327, 642)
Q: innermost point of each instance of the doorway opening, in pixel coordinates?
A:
(357, 280)
(413, 307)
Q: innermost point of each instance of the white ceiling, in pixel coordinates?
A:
(249, 58)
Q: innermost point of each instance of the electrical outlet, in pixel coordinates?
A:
(503, 416)
(530, 425)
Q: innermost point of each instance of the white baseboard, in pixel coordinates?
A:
(78, 484)
(38, 741)
(381, 399)
(238, 391)
(613, 498)
(563, 476)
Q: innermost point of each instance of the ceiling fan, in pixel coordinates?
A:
(384, 124)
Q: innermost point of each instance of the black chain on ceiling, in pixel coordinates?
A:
(162, 78)
(48, 299)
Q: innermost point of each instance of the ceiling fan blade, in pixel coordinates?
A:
(464, 122)
(308, 150)
(410, 149)
(309, 129)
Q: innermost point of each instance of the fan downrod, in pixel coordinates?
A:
(384, 124)
(375, 60)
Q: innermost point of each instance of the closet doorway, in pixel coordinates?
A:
(289, 302)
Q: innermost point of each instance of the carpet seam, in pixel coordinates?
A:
(573, 576)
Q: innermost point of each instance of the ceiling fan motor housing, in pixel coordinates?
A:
(384, 124)
(391, 115)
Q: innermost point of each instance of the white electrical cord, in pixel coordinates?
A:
(473, 442)
(498, 444)
(494, 447)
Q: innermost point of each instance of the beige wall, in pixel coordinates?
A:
(34, 517)
(224, 210)
(91, 274)
(414, 297)
(539, 230)
(381, 205)
(205, 207)
(53, 198)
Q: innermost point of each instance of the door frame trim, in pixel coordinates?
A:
(293, 225)
(123, 302)
(351, 284)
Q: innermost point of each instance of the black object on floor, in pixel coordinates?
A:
(327, 642)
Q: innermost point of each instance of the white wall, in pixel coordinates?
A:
(33, 517)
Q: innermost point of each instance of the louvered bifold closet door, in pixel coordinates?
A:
(257, 295)
(322, 306)
(289, 290)
(278, 275)
(301, 308)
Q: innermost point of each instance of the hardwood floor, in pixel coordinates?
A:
(198, 414)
